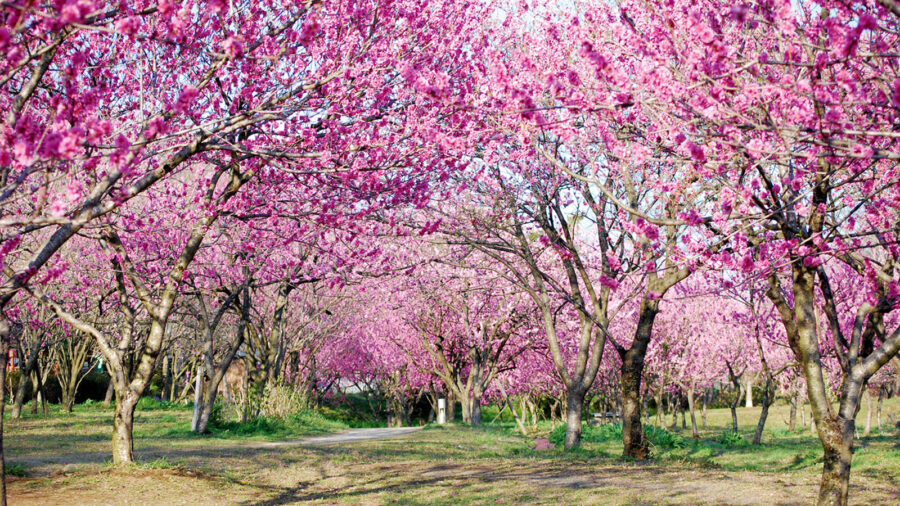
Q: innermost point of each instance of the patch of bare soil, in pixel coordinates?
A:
(127, 486)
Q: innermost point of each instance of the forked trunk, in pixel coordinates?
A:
(574, 405)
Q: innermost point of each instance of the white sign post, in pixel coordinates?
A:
(442, 411)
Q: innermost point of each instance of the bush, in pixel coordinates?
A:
(16, 470)
(151, 404)
(659, 438)
(303, 422)
(589, 433)
(732, 439)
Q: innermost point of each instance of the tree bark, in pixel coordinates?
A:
(466, 405)
(868, 427)
(878, 409)
(4, 350)
(748, 390)
(633, 440)
(123, 427)
(703, 407)
(476, 409)
(792, 424)
(690, 396)
(26, 370)
(837, 441)
(574, 405)
(660, 412)
(764, 413)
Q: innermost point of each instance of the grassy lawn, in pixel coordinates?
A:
(66, 460)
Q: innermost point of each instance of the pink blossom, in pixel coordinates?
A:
(186, 99)
(128, 26)
(233, 47)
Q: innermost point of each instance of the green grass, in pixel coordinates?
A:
(452, 463)
(303, 423)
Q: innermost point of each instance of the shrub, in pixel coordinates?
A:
(732, 439)
(16, 470)
(152, 403)
(659, 438)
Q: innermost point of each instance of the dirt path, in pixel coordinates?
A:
(348, 436)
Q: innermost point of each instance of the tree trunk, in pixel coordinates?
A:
(4, 351)
(207, 406)
(792, 424)
(734, 421)
(110, 390)
(674, 405)
(476, 408)
(26, 370)
(703, 407)
(633, 440)
(167, 378)
(868, 413)
(748, 390)
(19, 399)
(123, 426)
(466, 405)
(451, 408)
(660, 412)
(878, 409)
(837, 441)
(574, 405)
(690, 396)
(198, 397)
(766, 402)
